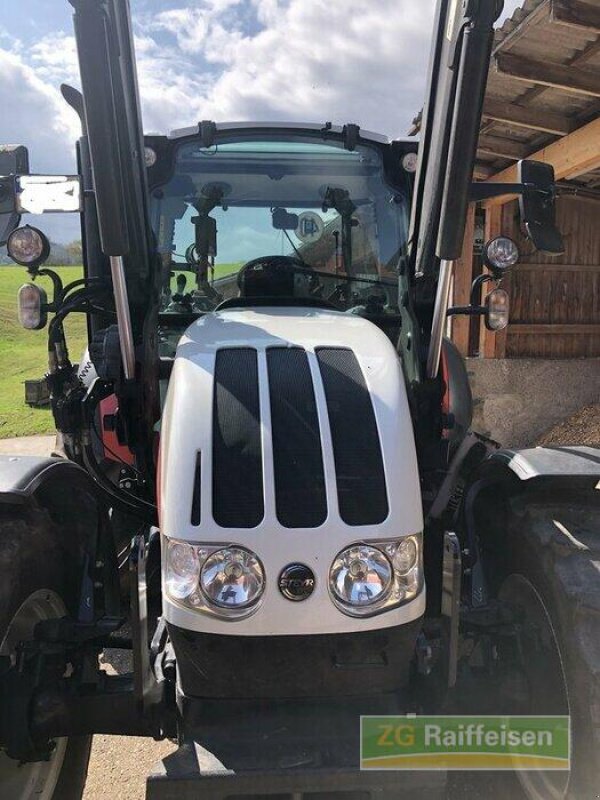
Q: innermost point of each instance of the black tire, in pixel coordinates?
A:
(31, 562)
(549, 552)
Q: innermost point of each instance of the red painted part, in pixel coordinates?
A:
(113, 449)
(446, 397)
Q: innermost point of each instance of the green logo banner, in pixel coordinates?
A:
(465, 743)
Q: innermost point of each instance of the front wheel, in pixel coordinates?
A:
(31, 591)
(553, 586)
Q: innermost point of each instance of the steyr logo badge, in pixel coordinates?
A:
(297, 582)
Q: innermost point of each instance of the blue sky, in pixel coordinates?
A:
(315, 60)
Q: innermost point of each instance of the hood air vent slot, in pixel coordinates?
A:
(300, 496)
(360, 476)
(238, 500)
(196, 507)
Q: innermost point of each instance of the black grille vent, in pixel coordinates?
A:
(196, 508)
(237, 455)
(298, 461)
(360, 475)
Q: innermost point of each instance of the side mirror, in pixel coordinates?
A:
(537, 207)
(284, 221)
(14, 160)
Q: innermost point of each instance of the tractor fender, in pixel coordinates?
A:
(506, 475)
(576, 465)
(59, 504)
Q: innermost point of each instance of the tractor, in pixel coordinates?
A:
(265, 484)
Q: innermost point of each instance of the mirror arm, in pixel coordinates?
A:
(57, 294)
(477, 284)
(469, 311)
(481, 190)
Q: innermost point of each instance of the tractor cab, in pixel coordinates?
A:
(279, 216)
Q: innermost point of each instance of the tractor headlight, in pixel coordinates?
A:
(232, 578)
(360, 576)
(227, 582)
(366, 579)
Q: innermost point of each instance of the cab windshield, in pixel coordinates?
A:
(290, 221)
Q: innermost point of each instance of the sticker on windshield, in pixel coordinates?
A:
(310, 227)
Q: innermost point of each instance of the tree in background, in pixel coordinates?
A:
(75, 251)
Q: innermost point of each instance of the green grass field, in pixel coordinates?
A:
(23, 354)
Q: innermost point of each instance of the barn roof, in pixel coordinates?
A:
(543, 93)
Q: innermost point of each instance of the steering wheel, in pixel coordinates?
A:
(270, 276)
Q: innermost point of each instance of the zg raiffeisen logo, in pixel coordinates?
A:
(455, 742)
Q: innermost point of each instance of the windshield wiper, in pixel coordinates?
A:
(298, 253)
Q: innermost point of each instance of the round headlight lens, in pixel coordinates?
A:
(360, 576)
(183, 569)
(501, 253)
(27, 246)
(232, 578)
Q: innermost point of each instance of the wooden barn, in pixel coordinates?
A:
(543, 103)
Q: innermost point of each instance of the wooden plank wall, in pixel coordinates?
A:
(555, 302)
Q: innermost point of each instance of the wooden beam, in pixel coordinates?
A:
(566, 78)
(532, 119)
(463, 277)
(573, 155)
(559, 329)
(543, 268)
(501, 148)
(576, 14)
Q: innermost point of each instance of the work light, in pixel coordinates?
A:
(149, 156)
(497, 305)
(28, 246)
(32, 307)
(500, 254)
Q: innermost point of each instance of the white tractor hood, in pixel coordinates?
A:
(288, 431)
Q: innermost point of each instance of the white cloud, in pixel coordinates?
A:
(313, 60)
(346, 61)
(510, 7)
(36, 115)
(54, 59)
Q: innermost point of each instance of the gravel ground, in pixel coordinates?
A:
(119, 764)
(582, 428)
